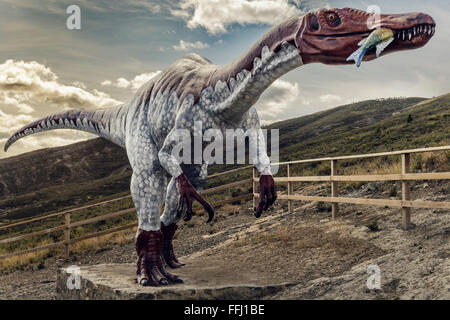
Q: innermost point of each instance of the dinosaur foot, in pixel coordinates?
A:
(151, 270)
(168, 253)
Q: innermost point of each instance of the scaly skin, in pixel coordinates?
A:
(194, 89)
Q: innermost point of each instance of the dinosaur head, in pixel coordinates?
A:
(330, 35)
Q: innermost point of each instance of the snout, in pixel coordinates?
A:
(405, 21)
(411, 30)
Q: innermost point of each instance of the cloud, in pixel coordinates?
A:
(330, 98)
(122, 83)
(215, 16)
(30, 90)
(185, 45)
(27, 85)
(134, 83)
(276, 100)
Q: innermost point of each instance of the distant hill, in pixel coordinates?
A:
(49, 179)
(367, 127)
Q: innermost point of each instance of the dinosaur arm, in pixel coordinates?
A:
(259, 158)
(166, 157)
(179, 139)
(267, 187)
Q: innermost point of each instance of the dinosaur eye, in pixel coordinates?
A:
(333, 19)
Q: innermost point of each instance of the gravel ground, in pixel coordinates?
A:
(327, 260)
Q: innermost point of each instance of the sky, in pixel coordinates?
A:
(47, 68)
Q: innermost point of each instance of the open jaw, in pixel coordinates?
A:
(405, 39)
(422, 31)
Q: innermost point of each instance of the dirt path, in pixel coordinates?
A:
(327, 260)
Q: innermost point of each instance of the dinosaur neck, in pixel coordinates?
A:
(248, 76)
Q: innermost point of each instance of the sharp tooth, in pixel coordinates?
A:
(420, 29)
(409, 36)
(403, 35)
(414, 31)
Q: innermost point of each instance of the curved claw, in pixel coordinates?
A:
(210, 214)
(187, 192)
(267, 194)
(188, 216)
(164, 282)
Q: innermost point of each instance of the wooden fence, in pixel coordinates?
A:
(405, 177)
(406, 203)
(68, 225)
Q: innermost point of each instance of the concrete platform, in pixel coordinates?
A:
(117, 281)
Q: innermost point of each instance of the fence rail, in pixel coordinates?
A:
(405, 177)
(406, 203)
(68, 225)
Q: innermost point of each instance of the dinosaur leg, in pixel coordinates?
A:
(197, 176)
(148, 187)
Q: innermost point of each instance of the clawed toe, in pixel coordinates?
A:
(168, 252)
(164, 282)
(151, 270)
(145, 283)
(178, 280)
(173, 264)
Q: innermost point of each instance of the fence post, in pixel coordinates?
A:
(406, 196)
(334, 190)
(290, 189)
(255, 185)
(67, 235)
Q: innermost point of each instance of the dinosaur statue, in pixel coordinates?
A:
(194, 89)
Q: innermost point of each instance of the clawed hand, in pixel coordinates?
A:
(267, 194)
(187, 192)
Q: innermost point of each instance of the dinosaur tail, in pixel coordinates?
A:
(107, 123)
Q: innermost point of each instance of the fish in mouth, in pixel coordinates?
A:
(379, 38)
(383, 37)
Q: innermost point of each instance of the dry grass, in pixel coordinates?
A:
(372, 167)
(24, 260)
(101, 243)
(421, 162)
(230, 209)
(37, 258)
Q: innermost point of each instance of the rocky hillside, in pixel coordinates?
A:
(88, 170)
(88, 160)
